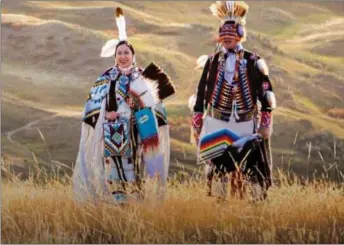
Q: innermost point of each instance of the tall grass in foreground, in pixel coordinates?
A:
(294, 213)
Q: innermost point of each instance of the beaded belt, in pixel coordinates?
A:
(225, 116)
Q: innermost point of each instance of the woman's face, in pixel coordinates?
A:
(124, 56)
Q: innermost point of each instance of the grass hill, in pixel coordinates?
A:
(51, 57)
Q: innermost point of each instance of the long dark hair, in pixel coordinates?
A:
(126, 43)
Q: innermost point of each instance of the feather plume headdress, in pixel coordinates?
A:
(230, 11)
(109, 48)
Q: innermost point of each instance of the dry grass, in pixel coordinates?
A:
(336, 113)
(37, 213)
(294, 213)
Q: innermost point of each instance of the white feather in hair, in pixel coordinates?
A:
(109, 48)
(121, 25)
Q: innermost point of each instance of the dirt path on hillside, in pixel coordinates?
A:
(10, 134)
(29, 125)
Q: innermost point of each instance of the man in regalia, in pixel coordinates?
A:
(233, 81)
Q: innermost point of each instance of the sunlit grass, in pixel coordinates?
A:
(45, 212)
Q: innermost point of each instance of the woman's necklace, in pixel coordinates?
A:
(125, 70)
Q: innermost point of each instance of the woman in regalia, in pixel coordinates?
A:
(124, 126)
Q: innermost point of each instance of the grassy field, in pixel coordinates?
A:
(50, 54)
(295, 212)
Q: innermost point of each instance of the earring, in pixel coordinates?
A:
(240, 30)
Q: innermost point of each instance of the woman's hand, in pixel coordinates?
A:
(111, 115)
(130, 102)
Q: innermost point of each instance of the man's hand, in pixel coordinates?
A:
(265, 128)
(112, 115)
(196, 136)
(197, 123)
(265, 132)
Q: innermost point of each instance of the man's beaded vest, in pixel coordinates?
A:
(232, 100)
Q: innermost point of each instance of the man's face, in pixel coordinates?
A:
(229, 42)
